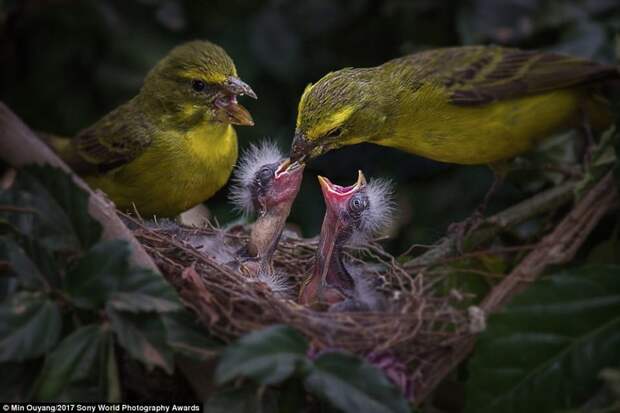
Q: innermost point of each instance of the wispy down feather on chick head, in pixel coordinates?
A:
(251, 162)
(380, 212)
(362, 209)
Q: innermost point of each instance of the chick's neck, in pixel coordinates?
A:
(266, 232)
(329, 265)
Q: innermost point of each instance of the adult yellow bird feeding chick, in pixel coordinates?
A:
(463, 105)
(172, 146)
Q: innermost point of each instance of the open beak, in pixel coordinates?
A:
(336, 196)
(228, 109)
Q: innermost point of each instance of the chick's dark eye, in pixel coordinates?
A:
(264, 175)
(198, 85)
(358, 204)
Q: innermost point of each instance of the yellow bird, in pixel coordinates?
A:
(172, 146)
(463, 105)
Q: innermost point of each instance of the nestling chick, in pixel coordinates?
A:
(352, 213)
(267, 184)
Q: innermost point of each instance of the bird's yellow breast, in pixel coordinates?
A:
(427, 124)
(177, 171)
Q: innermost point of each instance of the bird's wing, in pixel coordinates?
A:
(116, 139)
(480, 75)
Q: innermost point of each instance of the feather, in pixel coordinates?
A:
(278, 282)
(380, 210)
(253, 158)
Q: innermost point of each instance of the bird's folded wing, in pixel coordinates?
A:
(115, 140)
(480, 75)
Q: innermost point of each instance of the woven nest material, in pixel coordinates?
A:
(230, 304)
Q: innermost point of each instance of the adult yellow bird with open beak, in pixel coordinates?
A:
(172, 146)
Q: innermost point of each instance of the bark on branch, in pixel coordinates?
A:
(558, 247)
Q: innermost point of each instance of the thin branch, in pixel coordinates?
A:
(558, 247)
(543, 202)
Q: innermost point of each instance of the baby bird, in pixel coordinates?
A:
(352, 213)
(267, 184)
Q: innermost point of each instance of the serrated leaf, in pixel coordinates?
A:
(354, 385)
(97, 274)
(73, 201)
(246, 399)
(269, 356)
(30, 326)
(188, 337)
(144, 338)
(103, 275)
(75, 370)
(60, 219)
(20, 264)
(545, 350)
(144, 290)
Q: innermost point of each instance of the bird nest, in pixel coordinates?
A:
(229, 303)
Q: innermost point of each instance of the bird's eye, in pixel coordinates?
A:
(264, 175)
(335, 132)
(198, 85)
(358, 204)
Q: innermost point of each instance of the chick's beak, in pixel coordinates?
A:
(336, 196)
(228, 110)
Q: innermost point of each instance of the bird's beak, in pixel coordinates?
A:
(287, 180)
(228, 109)
(303, 148)
(336, 196)
(238, 87)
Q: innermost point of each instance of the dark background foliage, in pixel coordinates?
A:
(66, 63)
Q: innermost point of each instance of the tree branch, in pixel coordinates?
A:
(540, 203)
(558, 247)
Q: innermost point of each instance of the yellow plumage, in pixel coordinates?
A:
(465, 105)
(197, 164)
(172, 146)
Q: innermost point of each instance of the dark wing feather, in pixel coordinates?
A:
(116, 139)
(480, 75)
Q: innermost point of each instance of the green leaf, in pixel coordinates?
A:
(34, 268)
(246, 399)
(103, 275)
(97, 274)
(144, 290)
(17, 380)
(60, 219)
(72, 200)
(75, 370)
(544, 351)
(354, 385)
(29, 326)
(144, 338)
(268, 356)
(189, 338)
